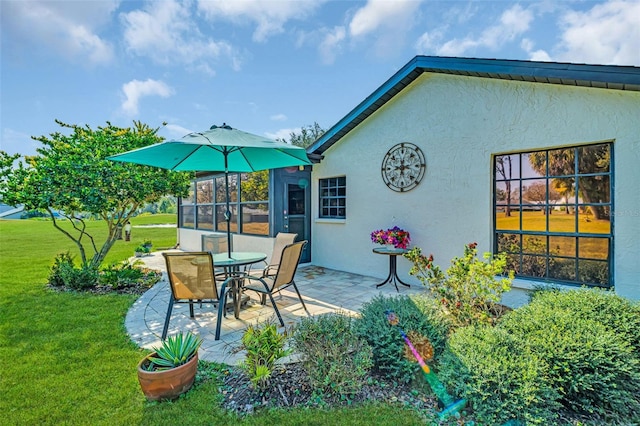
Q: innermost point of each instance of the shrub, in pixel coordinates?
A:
(592, 363)
(500, 378)
(469, 290)
(264, 346)
(65, 274)
(62, 270)
(335, 359)
(125, 274)
(417, 314)
(83, 278)
(617, 313)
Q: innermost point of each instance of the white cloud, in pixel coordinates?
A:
(167, 33)
(429, 41)
(70, 29)
(136, 89)
(513, 22)
(278, 117)
(608, 33)
(387, 22)
(174, 131)
(534, 55)
(331, 44)
(283, 134)
(378, 14)
(269, 16)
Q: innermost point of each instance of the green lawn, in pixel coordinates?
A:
(68, 360)
(594, 248)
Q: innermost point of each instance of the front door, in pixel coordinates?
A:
(293, 214)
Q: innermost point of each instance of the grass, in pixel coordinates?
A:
(594, 248)
(68, 359)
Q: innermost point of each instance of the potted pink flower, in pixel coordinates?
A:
(396, 237)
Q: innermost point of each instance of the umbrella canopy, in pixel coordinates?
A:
(219, 148)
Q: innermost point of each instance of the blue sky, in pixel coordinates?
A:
(266, 67)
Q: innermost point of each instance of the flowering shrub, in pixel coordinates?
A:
(469, 291)
(396, 236)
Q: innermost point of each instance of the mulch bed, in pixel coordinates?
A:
(289, 386)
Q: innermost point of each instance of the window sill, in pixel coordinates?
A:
(327, 220)
(533, 284)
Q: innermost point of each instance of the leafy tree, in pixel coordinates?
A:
(504, 168)
(591, 159)
(308, 135)
(255, 186)
(537, 192)
(71, 176)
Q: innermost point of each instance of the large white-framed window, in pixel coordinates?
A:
(552, 213)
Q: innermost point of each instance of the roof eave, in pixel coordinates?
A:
(611, 77)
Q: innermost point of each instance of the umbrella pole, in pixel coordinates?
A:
(227, 214)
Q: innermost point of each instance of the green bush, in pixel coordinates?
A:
(62, 270)
(469, 290)
(335, 359)
(65, 274)
(615, 312)
(419, 314)
(125, 274)
(582, 337)
(500, 378)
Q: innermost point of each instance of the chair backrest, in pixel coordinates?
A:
(191, 275)
(215, 243)
(288, 264)
(283, 239)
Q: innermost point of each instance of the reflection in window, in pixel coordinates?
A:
(255, 219)
(208, 195)
(187, 217)
(552, 213)
(186, 210)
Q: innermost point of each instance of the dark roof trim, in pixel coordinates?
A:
(599, 76)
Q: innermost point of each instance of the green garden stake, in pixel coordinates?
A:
(450, 406)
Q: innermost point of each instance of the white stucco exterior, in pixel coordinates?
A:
(459, 123)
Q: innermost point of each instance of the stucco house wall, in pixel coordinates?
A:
(459, 122)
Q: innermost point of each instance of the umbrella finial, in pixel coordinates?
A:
(224, 126)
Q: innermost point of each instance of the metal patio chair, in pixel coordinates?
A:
(192, 280)
(283, 278)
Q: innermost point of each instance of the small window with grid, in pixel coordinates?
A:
(333, 198)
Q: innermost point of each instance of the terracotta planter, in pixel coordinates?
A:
(167, 384)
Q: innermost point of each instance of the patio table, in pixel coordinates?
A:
(393, 272)
(232, 266)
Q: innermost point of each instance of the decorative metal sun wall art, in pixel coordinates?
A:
(403, 167)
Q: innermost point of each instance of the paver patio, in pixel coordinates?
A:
(323, 290)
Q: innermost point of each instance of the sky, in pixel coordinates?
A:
(265, 67)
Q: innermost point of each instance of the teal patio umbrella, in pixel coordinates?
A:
(221, 148)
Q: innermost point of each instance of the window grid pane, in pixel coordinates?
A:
(205, 206)
(552, 213)
(333, 198)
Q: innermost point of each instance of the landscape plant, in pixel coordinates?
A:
(264, 346)
(175, 351)
(335, 359)
(469, 292)
(590, 350)
(501, 379)
(120, 275)
(421, 319)
(72, 180)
